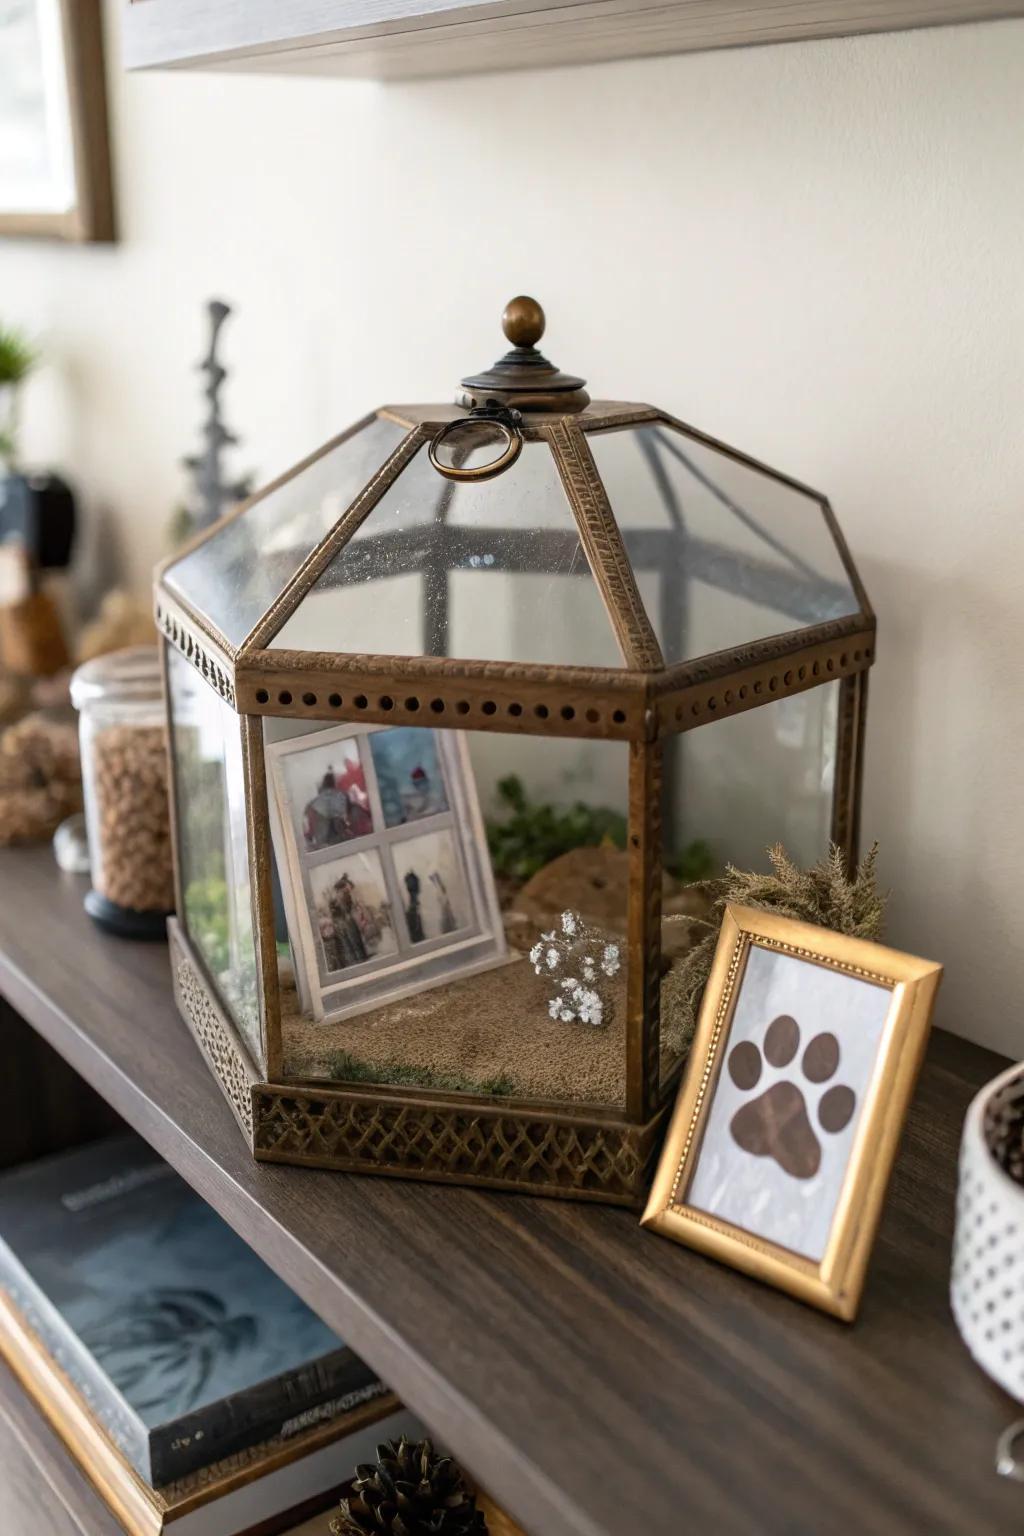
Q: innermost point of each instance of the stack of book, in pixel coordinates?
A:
(198, 1393)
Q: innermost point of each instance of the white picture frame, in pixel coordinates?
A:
(385, 877)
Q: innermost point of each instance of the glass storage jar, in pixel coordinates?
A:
(124, 774)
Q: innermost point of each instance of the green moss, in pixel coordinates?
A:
(498, 1087)
(346, 1068)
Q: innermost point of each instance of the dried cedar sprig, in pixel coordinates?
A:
(824, 894)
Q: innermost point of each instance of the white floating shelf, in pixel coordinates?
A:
(381, 39)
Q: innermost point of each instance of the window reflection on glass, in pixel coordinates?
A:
(212, 843)
(492, 571)
(237, 573)
(737, 786)
(723, 553)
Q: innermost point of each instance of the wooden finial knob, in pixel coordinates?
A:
(523, 321)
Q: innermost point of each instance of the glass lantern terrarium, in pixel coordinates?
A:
(457, 706)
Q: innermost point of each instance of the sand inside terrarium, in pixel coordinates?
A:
(489, 1033)
(493, 1032)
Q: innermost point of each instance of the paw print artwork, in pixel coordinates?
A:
(783, 1122)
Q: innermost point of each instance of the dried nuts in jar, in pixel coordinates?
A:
(124, 771)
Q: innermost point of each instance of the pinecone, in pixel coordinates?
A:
(412, 1491)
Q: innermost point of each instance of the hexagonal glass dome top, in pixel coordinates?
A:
(465, 670)
(344, 557)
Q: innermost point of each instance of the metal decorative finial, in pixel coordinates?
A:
(214, 495)
(523, 321)
(524, 379)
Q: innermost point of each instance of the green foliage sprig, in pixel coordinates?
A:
(206, 911)
(17, 359)
(825, 894)
(17, 356)
(531, 834)
(694, 865)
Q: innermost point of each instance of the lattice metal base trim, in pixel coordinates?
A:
(532, 1150)
(500, 1148)
(213, 1033)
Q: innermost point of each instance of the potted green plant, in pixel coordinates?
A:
(37, 521)
(18, 357)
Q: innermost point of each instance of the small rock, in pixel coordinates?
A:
(591, 881)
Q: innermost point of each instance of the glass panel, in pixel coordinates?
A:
(732, 789)
(212, 849)
(723, 553)
(401, 853)
(488, 571)
(235, 576)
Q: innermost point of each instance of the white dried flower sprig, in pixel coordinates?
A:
(583, 961)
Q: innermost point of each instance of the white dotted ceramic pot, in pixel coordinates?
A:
(987, 1289)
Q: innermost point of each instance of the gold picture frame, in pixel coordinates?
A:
(62, 43)
(773, 1132)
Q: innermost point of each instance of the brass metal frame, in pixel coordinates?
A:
(204, 534)
(835, 1284)
(643, 978)
(589, 1152)
(602, 543)
(212, 1028)
(258, 836)
(582, 1153)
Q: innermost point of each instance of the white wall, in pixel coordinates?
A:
(816, 252)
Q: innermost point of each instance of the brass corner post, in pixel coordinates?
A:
(643, 978)
(849, 769)
(261, 893)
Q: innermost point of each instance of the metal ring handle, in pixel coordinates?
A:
(1007, 1463)
(514, 447)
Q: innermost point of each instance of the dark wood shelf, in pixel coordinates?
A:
(598, 1380)
(42, 1492)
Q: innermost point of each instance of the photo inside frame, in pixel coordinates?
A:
(435, 898)
(385, 881)
(410, 778)
(795, 1077)
(327, 794)
(355, 922)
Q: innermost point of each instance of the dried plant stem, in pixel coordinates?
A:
(824, 894)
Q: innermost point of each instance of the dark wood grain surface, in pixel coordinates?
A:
(42, 1492)
(598, 1380)
(61, 1111)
